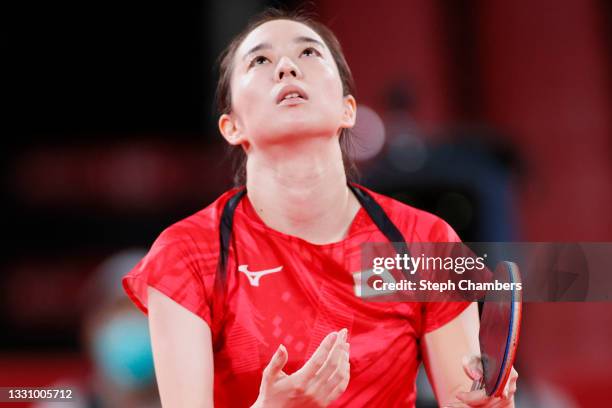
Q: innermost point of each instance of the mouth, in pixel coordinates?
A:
(291, 95)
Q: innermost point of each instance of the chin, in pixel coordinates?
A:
(286, 130)
(301, 123)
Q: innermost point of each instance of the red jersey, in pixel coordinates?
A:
(283, 289)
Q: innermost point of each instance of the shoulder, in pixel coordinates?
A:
(200, 228)
(415, 224)
(182, 262)
(191, 243)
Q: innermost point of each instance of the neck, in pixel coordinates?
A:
(301, 190)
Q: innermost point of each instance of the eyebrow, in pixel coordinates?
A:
(297, 40)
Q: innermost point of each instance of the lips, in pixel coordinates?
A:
(291, 93)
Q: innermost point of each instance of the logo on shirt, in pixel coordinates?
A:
(255, 276)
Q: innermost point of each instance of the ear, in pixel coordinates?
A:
(350, 112)
(231, 130)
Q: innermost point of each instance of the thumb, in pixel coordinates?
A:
(276, 364)
(472, 366)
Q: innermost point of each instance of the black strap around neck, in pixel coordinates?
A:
(380, 219)
(225, 234)
(372, 208)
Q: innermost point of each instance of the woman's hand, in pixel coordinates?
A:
(478, 398)
(321, 380)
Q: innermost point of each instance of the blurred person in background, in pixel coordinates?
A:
(230, 319)
(116, 339)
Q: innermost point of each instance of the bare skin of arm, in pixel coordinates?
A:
(450, 356)
(184, 365)
(182, 353)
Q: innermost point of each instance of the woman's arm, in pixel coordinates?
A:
(451, 356)
(443, 351)
(182, 352)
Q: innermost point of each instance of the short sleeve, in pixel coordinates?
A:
(437, 314)
(171, 266)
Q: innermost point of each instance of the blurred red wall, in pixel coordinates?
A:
(545, 83)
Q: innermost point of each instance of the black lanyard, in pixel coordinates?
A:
(372, 208)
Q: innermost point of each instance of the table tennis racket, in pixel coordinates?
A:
(499, 331)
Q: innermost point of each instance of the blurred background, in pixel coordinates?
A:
(495, 115)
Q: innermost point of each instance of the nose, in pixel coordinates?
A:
(286, 67)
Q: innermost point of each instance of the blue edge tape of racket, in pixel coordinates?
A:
(512, 306)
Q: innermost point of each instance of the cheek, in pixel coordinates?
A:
(330, 86)
(332, 81)
(248, 93)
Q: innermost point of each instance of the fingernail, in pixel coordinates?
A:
(344, 333)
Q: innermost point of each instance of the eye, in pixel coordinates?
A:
(311, 51)
(258, 60)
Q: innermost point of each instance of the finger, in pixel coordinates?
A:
(342, 386)
(513, 376)
(316, 361)
(338, 376)
(500, 403)
(276, 364)
(510, 387)
(513, 373)
(506, 391)
(334, 359)
(339, 389)
(472, 366)
(473, 398)
(345, 371)
(456, 404)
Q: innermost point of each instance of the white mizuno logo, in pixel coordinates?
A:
(254, 277)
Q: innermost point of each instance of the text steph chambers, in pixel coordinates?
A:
(464, 284)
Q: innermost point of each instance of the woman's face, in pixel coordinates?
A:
(284, 85)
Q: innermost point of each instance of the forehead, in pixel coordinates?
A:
(276, 32)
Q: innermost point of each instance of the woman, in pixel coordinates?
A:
(253, 296)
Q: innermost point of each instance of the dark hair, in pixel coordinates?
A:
(223, 98)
